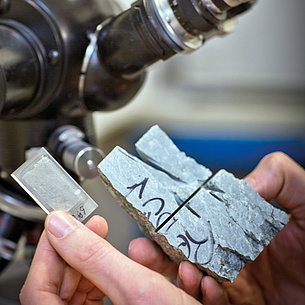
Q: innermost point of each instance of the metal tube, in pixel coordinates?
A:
(153, 30)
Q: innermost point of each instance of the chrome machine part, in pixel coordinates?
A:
(52, 53)
(42, 47)
(18, 208)
(77, 66)
(17, 217)
(68, 145)
(233, 3)
(159, 29)
(18, 213)
(164, 17)
(7, 248)
(92, 89)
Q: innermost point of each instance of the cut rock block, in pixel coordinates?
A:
(184, 174)
(217, 222)
(137, 189)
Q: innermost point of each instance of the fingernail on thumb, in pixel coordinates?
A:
(60, 224)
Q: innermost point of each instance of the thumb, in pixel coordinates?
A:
(118, 277)
(278, 177)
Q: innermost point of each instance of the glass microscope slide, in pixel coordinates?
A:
(43, 178)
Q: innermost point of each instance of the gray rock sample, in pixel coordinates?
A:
(201, 243)
(259, 220)
(136, 189)
(223, 225)
(242, 222)
(183, 236)
(158, 150)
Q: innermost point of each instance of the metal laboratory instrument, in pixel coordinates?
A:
(61, 60)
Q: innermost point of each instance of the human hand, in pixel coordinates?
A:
(52, 281)
(277, 276)
(74, 264)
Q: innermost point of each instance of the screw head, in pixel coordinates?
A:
(53, 57)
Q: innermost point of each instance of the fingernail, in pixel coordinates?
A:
(60, 224)
(202, 284)
(180, 269)
(130, 247)
(180, 282)
(251, 181)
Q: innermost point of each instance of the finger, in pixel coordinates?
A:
(69, 284)
(45, 276)
(70, 288)
(189, 279)
(278, 177)
(212, 292)
(86, 291)
(78, 289)
(85, 286)
(149, 254)
(98, 225)
(93, 297)
(121, 279)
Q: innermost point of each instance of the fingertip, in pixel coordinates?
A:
(140, 249)
(147, 253)
(189, 279)
(269, 175)
(189, 274)
(208, 283)
(212, 293)
(98, 225)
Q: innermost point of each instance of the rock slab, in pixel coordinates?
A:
(217, 222)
